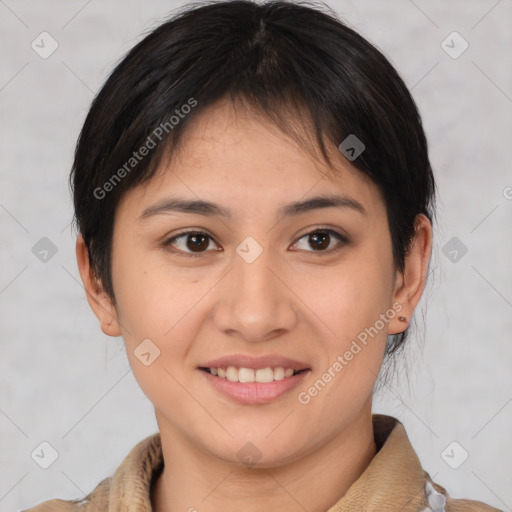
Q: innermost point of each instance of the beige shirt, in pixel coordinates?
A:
(393, 481)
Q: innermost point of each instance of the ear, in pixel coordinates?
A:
(410, 284)
(98, 299)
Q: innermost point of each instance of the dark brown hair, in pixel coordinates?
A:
(286, 60)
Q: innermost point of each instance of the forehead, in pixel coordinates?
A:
(235, 157)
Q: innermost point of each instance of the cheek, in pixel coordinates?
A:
(156, 311)
(351, 297)
(152, 297)
(350, 301)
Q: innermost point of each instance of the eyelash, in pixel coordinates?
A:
(341, 239)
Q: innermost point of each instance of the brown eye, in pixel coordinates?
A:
(190, 242)
(198, 242)
(320, 241)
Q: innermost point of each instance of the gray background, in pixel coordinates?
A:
(64, 382)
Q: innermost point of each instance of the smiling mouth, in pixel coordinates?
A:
(250, 375)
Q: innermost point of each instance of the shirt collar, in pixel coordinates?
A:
(394, 479)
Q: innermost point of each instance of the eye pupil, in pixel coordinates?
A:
(319, 238)
(197, 242)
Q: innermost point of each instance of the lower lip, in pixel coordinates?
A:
(255, 392)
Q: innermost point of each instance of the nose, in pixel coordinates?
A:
(255, 304)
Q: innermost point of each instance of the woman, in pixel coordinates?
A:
(255, 201)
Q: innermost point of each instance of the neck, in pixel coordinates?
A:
(194, 480)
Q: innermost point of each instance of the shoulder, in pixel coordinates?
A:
(97, 498)
(439, 500)
(453, 505)
(130, 483)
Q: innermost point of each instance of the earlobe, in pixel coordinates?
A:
(99, 301)
(400, 321)
(410, 284)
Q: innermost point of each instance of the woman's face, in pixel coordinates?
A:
(257, 282)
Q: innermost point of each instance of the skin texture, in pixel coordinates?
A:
(292, 300)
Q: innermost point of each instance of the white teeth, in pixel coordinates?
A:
(264, 375)
(261, 375)
(231, 374)
(246, 375)
(279, 373)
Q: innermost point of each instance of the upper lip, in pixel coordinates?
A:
(245, 361)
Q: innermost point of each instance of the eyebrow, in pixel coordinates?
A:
(207, 208)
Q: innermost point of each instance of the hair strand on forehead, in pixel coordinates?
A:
(285, 61)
